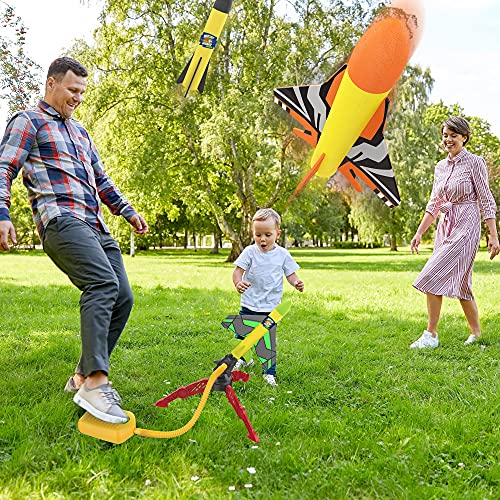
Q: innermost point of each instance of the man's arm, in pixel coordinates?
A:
(14, 150)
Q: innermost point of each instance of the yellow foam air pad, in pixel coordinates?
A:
(113, 433)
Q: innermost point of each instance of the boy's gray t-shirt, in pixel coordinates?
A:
(264, 270)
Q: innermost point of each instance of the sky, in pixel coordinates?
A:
(460, 45)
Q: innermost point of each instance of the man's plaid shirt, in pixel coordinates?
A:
(62, 170)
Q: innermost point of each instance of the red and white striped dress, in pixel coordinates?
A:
(460, 189)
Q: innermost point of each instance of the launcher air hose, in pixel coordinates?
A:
(171, 434)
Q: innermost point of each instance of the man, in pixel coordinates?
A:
(66, 184)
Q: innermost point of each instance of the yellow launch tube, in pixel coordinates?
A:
(260, 330)
(351, 111)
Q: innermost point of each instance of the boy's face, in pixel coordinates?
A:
(265, 234)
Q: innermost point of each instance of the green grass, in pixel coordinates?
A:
(357, 414)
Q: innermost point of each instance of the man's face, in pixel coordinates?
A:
(66, 93)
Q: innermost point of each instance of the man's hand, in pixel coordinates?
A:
(6, 230)
(139, 224)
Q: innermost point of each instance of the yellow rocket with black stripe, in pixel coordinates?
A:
(195, 73)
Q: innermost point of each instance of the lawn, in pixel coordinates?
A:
(356, 415)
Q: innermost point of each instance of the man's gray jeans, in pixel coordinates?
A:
(92, 260)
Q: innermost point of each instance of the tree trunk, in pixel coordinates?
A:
(394, 246)
(235, 252)
(217, 242)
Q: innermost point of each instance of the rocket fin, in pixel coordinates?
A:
(201, 86)
(184, 71)
(310, 104)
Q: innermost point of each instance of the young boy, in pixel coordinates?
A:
(258, 273)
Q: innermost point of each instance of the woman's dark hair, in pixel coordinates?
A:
(62, 65)
(458, 125)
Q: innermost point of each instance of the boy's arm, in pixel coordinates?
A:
(295, 281)
(240, 285)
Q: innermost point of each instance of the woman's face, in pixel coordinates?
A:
(452, 141)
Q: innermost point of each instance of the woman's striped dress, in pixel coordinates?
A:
(460, 189)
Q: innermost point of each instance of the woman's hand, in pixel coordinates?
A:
(493, 246)
(415, 242)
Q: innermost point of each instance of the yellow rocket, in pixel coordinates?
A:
(344, 117)
(195, 73)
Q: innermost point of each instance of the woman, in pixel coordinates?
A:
(460, 189)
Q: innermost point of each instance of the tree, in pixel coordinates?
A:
(19, 75)
(20, 82)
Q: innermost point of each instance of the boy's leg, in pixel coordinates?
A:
(266, 350)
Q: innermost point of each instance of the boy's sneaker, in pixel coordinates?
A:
(103, 403)
(471, 339)
(270, 379)
(241, 363)
(426, 340)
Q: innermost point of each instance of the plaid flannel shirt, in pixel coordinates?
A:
(61, 167)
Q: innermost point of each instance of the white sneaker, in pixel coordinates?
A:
(241, 363)
(270, 379)
(471, 339)
(102, 402)
(426, 340)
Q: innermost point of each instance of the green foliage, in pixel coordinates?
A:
(20, 83)
(19, 75)
(228, 151)
(356, 415)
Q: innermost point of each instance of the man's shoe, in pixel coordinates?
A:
(471, 339)
(425, 341)
(270, 379)
(70, 385)
(103, 403)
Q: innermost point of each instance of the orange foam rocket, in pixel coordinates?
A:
(344, 117)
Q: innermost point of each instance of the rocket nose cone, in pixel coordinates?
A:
(415, 19)
(223, 5)
(381, 54)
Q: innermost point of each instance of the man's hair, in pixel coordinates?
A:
(266, 213)
(458, 125)
(62, 65)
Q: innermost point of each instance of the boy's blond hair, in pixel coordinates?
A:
(266, 213)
